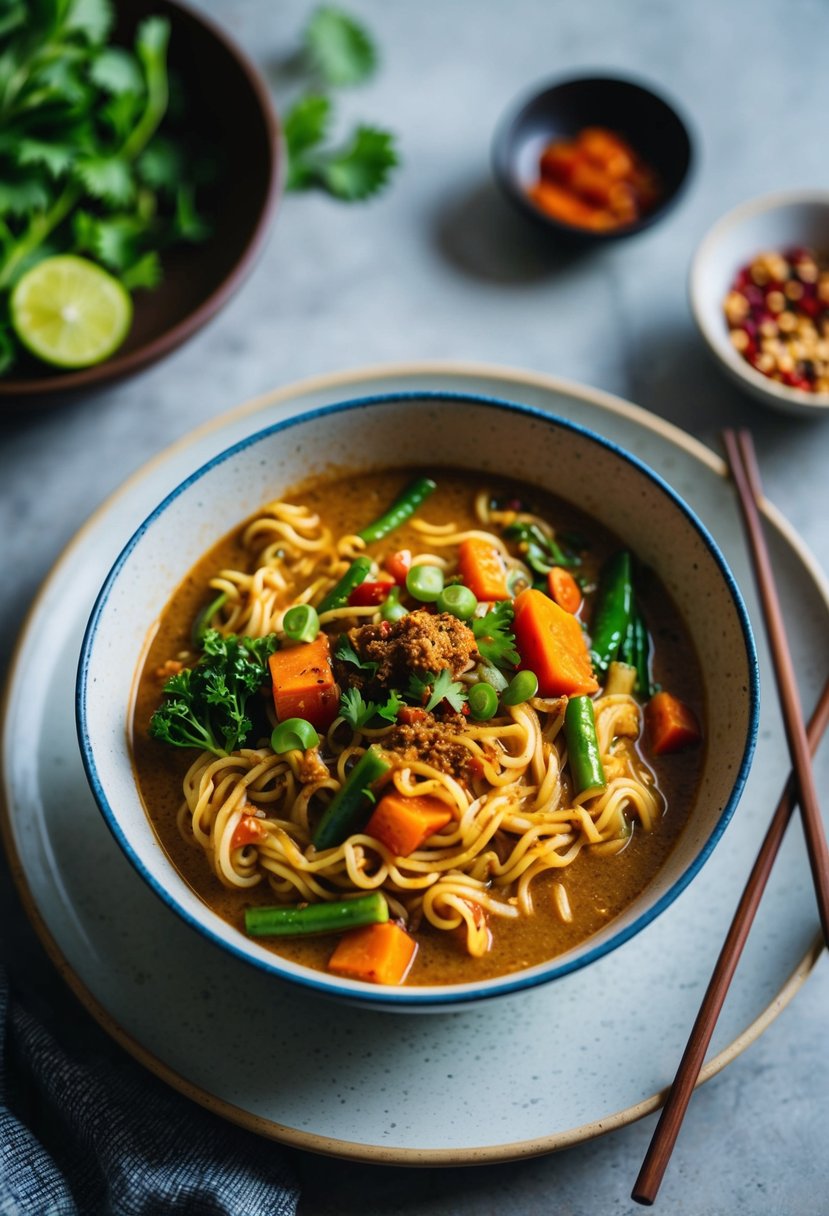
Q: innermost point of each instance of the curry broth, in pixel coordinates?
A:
(598, 888)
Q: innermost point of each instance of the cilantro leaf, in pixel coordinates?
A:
(495, 641)
(392, 707)
(355, 709)
(205, 706)
(116, 71)
(431, 689)
(91, 18)
(339, 48)
(161, 165)
(189, 224)
(145, 272)
(305, 126)
(54, 157)
(108, 178)
(21, 194)
(344, 651)
(362, 168)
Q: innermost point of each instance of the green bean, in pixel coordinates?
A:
(301, 623)
(401, 509)
(583, 746)
(302, 920)
(636, 651)
(522, 686)
(202, 622)
(337, 597)
(457, 600)
(612, 614)
(294, 734)
(425, 583)
(482, 701)
(345, 811)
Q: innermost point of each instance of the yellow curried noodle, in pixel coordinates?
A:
(515, 820)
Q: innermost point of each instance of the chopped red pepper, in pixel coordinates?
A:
(366, 595)
(398, 565)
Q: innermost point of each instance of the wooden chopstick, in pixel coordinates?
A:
(673, 1112)
(743, 464)
(744, 470)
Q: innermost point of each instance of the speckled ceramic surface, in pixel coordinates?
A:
(481, 434)
(586, 1053)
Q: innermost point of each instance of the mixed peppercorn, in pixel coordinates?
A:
(778, 316)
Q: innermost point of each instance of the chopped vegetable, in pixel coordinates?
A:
(249, 830)
(369, 594)
(483, 702)
(636, 650)
(402, 509)
(398, 565)
(377, 954)
(294, 734)
(302, 920)
(621, 678)
(347, 808)
(457, 600)
(540, 551)
(671, 724)
(564, 589)
(551, 644)
(425, 583)
(482, 569)
(203, 620)
(495, 642)
(492, 675)
(205, 706)
(583, 746)
(303, 683)
(337, 597)
(430, 690)
(404, 823)
(522, 686)
(612, 614)
(391, 609)
(301, 623)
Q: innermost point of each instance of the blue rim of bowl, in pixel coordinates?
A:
(445, 996)
(504, 135)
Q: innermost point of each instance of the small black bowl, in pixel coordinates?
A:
(559, 111)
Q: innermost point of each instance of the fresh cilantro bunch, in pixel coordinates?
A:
(337, 52)
(205, 706)
(84, 167)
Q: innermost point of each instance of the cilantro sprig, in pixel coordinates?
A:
(493, 636)
(337, 52)
(358, 712)
(205, 706)
(430, 690)
(84, 166)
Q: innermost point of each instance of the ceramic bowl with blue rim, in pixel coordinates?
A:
(424, 430)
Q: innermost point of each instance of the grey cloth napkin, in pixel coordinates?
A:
(108, 1139)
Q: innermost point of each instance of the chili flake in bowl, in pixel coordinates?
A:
(778, 315)
(759, 291)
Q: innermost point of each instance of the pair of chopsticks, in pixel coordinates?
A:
(800, 788)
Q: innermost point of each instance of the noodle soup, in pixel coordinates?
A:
(457, 745)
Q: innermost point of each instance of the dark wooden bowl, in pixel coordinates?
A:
(560, 111)
(232, 113)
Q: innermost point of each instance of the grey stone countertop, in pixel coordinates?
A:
(438, 267)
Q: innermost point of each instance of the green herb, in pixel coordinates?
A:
(337, 52)
(358, 712)
(83, 168)
(344, 651)
(430, 690)
(540, 551)
(495, 641)
(205, 706)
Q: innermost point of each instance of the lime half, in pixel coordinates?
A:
(69, 312)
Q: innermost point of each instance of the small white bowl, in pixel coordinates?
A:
(420, 430)
(774, 222)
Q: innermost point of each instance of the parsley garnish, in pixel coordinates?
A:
(205, 706)
(358, 712)
(337, 52)
(495, 641)
(83, 168)
(430, 690)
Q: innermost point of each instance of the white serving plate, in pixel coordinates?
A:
(589, 1052)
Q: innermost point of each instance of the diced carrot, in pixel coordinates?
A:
(303, 683)
(403, 823)
(672, 726)
(551, 644)
(249, 830)
(482, 569)
(377, 954)
(564, 589)
(398, 565)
